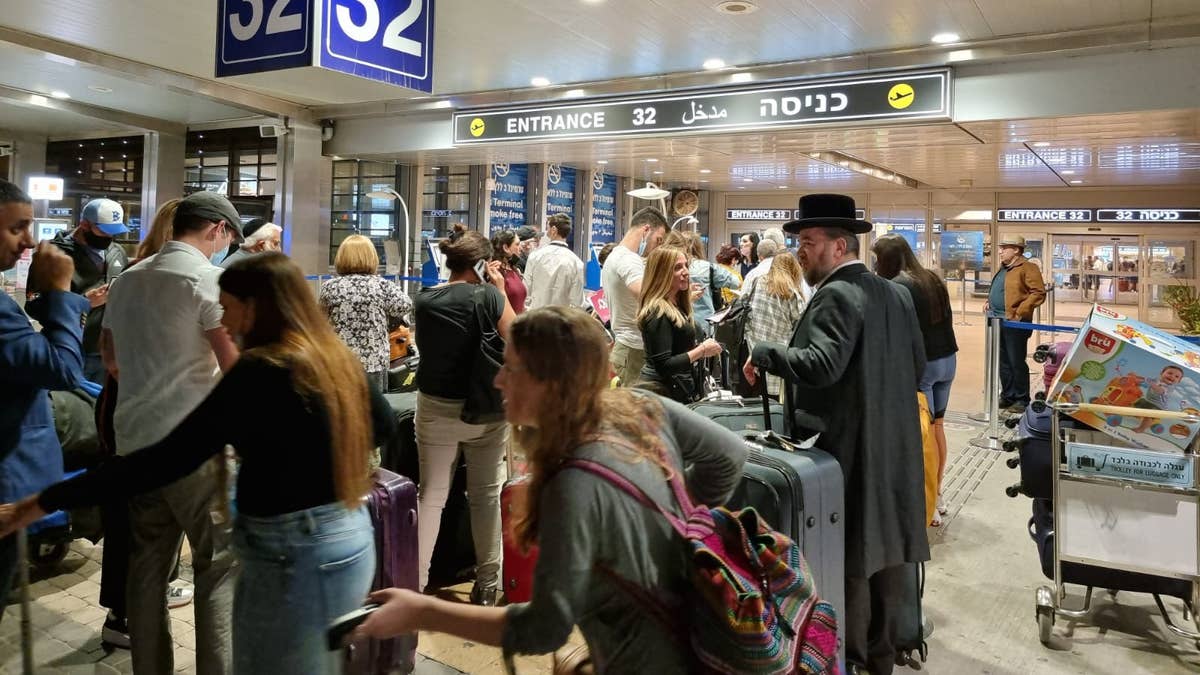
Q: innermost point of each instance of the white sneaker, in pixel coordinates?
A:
(179, 594)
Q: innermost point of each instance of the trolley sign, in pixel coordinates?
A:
(1142, 466)
(913, 95)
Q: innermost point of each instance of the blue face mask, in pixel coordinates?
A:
(217, 256)
(642, 246)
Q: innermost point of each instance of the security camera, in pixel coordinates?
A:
(271, 130)
(327, 129)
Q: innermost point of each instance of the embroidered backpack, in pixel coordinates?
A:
(751, 607)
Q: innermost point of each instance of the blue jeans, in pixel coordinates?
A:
(936, 381)
(1014, 369)
(300, 571)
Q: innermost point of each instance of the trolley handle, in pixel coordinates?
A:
(1125, 411)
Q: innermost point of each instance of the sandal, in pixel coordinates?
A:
(937, 520)
(941, 505)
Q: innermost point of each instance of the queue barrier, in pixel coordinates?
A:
(1050, 328)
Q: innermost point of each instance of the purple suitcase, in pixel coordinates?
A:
(392, 504)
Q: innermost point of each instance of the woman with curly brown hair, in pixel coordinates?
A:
(589, 533)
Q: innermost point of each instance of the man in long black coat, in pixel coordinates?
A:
(854, 360)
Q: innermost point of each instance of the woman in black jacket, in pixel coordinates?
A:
(669, 331)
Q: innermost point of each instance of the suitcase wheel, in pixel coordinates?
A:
(1045, 620)
(1013, 462)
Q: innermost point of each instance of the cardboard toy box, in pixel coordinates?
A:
(1119, 361)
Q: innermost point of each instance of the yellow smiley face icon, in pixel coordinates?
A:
(901, 96)
(477, 127)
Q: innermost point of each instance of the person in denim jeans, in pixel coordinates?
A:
(448, 340)
(300, 530)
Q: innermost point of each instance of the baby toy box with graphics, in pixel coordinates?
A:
(1122, 362)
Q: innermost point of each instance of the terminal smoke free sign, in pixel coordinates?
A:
(921, 95)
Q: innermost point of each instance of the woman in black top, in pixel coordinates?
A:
(448, 337)
(670, 334)
(895, 260)
(301, 532)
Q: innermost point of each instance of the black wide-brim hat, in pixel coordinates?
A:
(827, 211)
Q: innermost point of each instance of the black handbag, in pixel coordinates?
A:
(731, 333)
(484, 404)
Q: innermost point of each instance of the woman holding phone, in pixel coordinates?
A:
(449, 339)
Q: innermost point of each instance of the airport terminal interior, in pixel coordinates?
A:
(956, 124)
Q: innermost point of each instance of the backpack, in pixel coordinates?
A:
(751, 607)
(731, 330)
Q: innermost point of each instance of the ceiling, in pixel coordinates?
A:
(502, 44)
(1160, 148)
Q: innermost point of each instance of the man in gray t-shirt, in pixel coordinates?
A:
(621, 280)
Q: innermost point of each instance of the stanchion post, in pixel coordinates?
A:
(962, 296)
(23, 581)
(991, 439)
(989, 377)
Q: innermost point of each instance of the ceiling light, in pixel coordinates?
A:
(1041, 144)
(714, 64)
(944, 38)
(38, 99)
(782, 187)
(602, 161)
(657, 173)
(60, 94)
(574, 93)
(100, 90)
(702, 180)
(839, 159)
(736, 7)
(1076, 182)
(651, 160)
(540, 82)
(1068, 172)
(705, 170)
(741, 187)
(741, 77)
(747, 180)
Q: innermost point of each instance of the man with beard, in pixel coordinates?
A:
(97, 262)
(854, 361)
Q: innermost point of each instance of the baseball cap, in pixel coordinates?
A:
(106, 215)
(212, 207)
(526, 233)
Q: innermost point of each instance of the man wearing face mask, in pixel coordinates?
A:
(97, 262)
(621, 279)
(163, 339)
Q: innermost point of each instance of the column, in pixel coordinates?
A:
(302, 197)
(28, 159)
(162, 173)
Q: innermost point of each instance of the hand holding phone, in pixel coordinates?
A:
(345, 624)
(481, 271)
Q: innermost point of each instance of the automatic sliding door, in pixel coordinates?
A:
(1170, 262)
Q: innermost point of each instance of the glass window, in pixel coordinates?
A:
(345, 168)
(345, 186)
(345, 202)
(376, 169)
(214, 174)
(266, 188)
(248, 157)
(216, 158)
(267, 172)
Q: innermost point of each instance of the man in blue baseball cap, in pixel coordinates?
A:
(97, 262)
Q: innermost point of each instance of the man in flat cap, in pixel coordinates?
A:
(854, 361)
(163, 338)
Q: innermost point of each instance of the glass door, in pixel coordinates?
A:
(962, 253)
(1170, 268)
(1089, 269)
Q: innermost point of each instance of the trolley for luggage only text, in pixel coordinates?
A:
(1124, 518)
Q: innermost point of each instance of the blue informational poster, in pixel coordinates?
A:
(560, 194)
(507, 207)
(386, 40)
(604, 208)
(962, 249)
(254, 36)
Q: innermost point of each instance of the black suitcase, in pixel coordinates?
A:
(402, 374)
(738, 413)
(1032, 446)
(801, 494)
(910, 620)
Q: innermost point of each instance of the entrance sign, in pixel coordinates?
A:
(775, 214)
(918, 95)
(386, 40)
(1044, 215)
(1148, 215)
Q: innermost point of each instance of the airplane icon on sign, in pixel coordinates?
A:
(899, 96)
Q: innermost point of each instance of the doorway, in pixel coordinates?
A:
(1090, 269)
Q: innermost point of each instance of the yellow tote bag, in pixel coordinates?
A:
(930, 452)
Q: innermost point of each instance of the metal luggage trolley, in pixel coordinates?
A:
(1123, 513)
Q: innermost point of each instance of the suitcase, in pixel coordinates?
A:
(737, 413)
(402, 374)
(1033, 449)
(392, 504)
(517, 568)
(400, 454)
(910, 634)
(801, 494)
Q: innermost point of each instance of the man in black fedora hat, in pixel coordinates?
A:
(854, 361)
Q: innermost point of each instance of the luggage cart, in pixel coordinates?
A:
(1132, 524)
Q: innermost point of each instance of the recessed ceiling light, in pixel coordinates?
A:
(741, 77)
(782, 187)
(99, 89)
(651, 160)
(540, 82)
(602, 161)
(200, 136)
(657, 173)
(1041, 144)
(1076, 182)
(703, 180)
(741, 187)
(736, 7)
(1068, 172)
(705, 170)
(747, 180)
(714, 64)
(944, 38)
(60, 94)
(574, 93)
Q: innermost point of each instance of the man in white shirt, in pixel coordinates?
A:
(621, 280)
(554, 274)
(164, 342)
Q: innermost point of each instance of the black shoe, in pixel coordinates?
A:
(115, 632)
(484, 597)
(1017, 407)
(1004, 403)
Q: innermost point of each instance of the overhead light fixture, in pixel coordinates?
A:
(390, 194)
(540, 82)
(650, 193)
(574, 93)
(736, 7)
(703, 180)
(38, 99)
(705, 170)
(651, 159)
(1068, 172)
(602, 161)
(783, 187)
(747, 180)
(60, 94)
(741, 187)
(714, 64)
(99, 89)
(741, 77)
(944, 38)
(1041, 144)
(850, 163)
(1076, 182)
(657, 173)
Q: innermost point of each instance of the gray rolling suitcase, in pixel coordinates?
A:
(801, 494)
(911, 639)
(735, 412)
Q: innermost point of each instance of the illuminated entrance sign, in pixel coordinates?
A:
(916, 95)
(775, 214)
(1148, 215)
(1045, 215)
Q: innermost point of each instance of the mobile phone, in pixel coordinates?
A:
(481, 270)
(344, 625)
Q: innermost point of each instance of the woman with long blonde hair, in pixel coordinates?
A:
(593, 541)
(776, 303)
(303, 536)
(669, 332)
(161, 230)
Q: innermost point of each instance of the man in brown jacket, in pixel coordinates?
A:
(1017, 289)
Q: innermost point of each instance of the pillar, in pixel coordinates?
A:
(302, 197)
(162, 173)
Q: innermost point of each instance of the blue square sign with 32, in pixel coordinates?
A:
(386, 40)
(261, 35)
